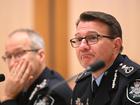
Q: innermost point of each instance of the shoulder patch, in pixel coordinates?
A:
(133, 92)
(83, 75)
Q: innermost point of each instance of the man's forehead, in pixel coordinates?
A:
(15, 47)
(92, 31)
(17, 42)
(87, 26)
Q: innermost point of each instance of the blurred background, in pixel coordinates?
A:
(55, 21)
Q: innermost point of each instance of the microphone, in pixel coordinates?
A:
(96, 66)
(2, 77)
(92, 68)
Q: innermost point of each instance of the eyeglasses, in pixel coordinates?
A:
(17, 55)
(91, 39)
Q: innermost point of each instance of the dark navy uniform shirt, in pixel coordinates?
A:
(39, 93)
(120, 85)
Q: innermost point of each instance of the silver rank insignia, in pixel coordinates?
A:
(133, 92)
(38, 87)
(126, 70)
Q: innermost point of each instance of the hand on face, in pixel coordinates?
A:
(17, 79)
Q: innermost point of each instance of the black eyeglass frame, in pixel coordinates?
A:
(97, 36)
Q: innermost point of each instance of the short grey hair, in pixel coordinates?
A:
(36, 39)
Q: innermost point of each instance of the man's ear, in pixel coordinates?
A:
(117, 44)
(41, 54)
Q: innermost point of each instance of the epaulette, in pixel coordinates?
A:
(82, 76)
(128, 67)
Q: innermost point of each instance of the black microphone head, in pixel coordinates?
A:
(2, 77)
(96, 66)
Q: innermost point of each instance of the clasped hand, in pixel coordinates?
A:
(18, 77)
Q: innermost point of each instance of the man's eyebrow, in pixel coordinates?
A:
(92, 32)
(15, 50)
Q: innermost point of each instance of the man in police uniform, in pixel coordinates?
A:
(99, 37)
(29, 81)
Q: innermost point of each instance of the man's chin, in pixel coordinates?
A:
(87, 64)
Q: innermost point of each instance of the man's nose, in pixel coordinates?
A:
(84, 44)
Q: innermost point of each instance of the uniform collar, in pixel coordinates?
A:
(98, 80)
(116, 63)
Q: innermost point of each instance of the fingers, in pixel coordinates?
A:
(13, 71)
(21, 73)
(16, 80)
(27, 75)
(21, 68)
